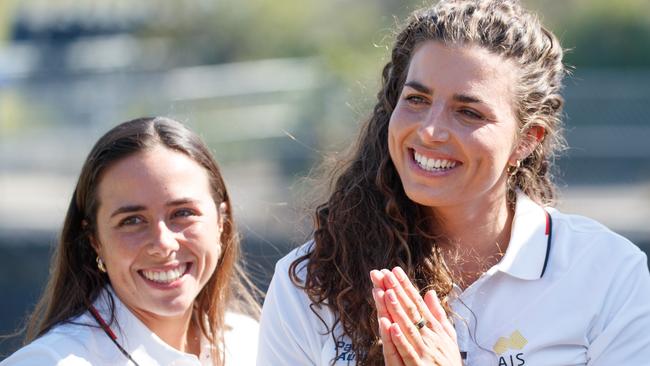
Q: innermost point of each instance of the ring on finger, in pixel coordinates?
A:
(420, 323)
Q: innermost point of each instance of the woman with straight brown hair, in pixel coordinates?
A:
(449, 186)
(147, 269)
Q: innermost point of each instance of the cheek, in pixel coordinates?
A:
(396, 132)
(207, 242)
(212, 256)
(493, 142)
(491, 153)
(105, 244)
(402, 117)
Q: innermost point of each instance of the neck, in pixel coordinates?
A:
(179, 332)
(477, 236)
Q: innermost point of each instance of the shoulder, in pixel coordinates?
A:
(284, 290)
(293, 330)
(283, 267)
(580, 238)
(65, 344)
(287, 297)
(286, 261)
(607, 278)
(606, 266)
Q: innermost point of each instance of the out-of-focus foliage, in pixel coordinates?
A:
(350, 36)
(600, 33)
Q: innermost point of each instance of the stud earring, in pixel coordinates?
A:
(100, 265)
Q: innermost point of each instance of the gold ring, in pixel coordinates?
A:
(420, 323)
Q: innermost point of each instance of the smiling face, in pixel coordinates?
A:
(158, 231)
(453, 131)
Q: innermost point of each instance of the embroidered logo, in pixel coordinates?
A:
(516, 341)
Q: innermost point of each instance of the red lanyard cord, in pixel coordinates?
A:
(109, 333)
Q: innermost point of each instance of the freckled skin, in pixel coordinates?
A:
(176, 221)
(481, 137)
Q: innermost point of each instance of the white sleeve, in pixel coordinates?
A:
(623, 331)
(37, 354)
(289, 330)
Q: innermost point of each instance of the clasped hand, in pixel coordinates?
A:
(414, 330)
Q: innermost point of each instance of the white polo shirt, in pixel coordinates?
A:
(590, 307)
(84, 343)
(580, 298)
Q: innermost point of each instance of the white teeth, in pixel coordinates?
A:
(165, 276)
(433, 164)
(429, 164)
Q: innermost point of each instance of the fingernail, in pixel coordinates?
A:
(391, 296)
(396, 330)
(399, 272)
(433, 294)
(391, 279)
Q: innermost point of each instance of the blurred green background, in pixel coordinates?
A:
(272, 86)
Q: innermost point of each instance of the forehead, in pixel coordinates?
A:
(152, 175)
(464, 69)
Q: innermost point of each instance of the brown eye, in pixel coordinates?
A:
(416, 99)
(184, 212)
(131, 220)
(471, 114)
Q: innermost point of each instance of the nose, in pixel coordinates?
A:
(163, 240)
(434, 127)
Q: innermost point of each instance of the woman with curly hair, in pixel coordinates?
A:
(449, 185)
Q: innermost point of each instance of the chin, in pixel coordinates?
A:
(426, 196)
(172, 310)
(172, 306)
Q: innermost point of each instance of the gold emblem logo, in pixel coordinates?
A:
(515, 341)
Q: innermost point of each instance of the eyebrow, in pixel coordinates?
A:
(463, 98)
(418, 86)
(181, 201)
(127, 209)
(136, 208)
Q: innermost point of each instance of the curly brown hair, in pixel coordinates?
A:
(368, 222)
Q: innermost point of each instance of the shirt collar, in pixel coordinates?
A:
(528, 249)
(136, 338)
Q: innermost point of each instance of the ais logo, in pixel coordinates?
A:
(516, 342)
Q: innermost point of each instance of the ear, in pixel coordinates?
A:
(91, 237)
(223, 214)
(530, 139)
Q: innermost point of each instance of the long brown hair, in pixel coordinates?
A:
(75, 281)
(368, 222)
